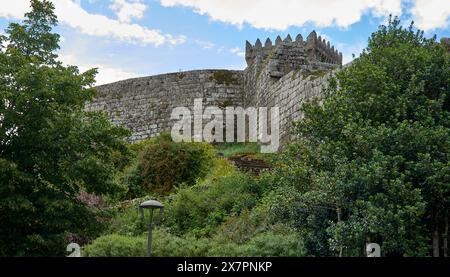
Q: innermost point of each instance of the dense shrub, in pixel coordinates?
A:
(275, 245)
(116, 246)
(226, 213)
(240, 228)
(203, 207)
(167, 245)
(267, 244)
(164, 244)
(162, 165)
(231, 149)
(127, 221)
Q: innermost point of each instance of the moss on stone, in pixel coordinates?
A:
(295, 74)
(224, 77)
(317, 74)
(226, 103)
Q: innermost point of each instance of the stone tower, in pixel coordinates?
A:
(286, 55)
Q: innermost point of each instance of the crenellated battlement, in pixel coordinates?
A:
(313, 49)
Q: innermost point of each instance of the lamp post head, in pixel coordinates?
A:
(151, 204)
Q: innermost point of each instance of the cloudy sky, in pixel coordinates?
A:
(131, 38)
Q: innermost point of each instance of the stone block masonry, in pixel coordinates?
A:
(144, 105)
(285, 74)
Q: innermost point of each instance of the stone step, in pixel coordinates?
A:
(250, 164)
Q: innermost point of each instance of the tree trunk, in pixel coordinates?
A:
(445, 242)
(338, 210)
(435, 234)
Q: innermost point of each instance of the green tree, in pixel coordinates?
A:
(375, 156)
(50, 148)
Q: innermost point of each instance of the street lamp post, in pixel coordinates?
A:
(151, 205)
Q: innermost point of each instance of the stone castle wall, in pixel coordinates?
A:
(285, 75)
(144, 105)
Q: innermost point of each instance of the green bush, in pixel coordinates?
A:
(234, 148)
(240, 228)
(201, 208)
(131, 182)
(116, 246)
(164, 245)
(168, 245)
(267, 244)
(127, 221)
(274, 245)
(161, 165)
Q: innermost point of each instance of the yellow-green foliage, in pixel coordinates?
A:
(249, 149)
(317, 74)
(232, 149)
(222, 168)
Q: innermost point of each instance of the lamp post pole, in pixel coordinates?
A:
(151, 205)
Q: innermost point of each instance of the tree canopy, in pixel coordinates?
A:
(50, 148)
(372, 161)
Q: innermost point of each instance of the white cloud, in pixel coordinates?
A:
(205, 44)
(237, 51)
(210, 45)
(106, 73)
(127, 10)
(279, 15)
(175, 40)
(326, 37)
(431, 14)
(13, 9)
(348, 50)
(72, 14)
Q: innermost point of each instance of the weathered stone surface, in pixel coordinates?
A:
(285, 75)
(144, 105)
